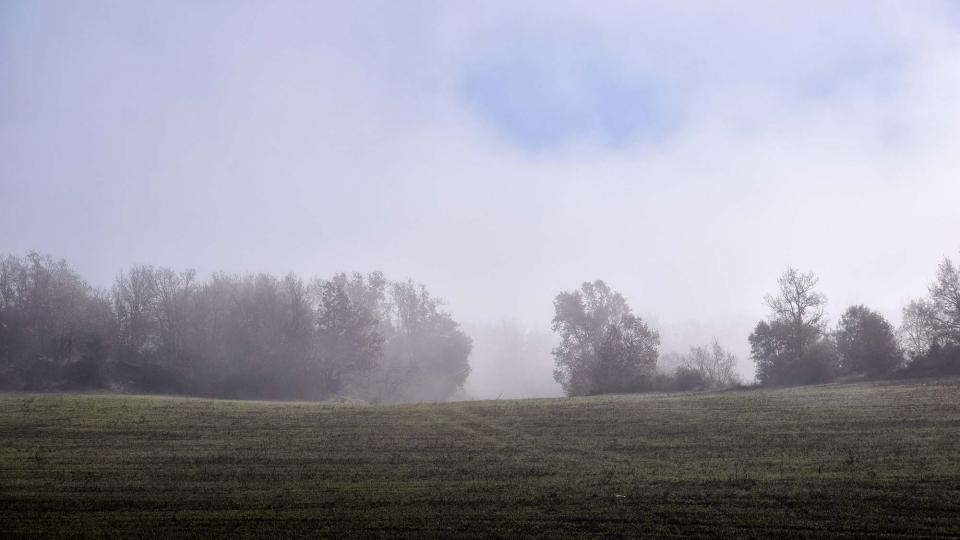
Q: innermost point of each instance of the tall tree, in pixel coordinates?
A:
(934, 321)
(604, 347)
(426, 343)
(918, 331)
(945, 298)
(347, 341)
(134, 297)
(50, 319)
(174, 293)
(425, 352)
(790, 347)
(800, 307)
(867, 343)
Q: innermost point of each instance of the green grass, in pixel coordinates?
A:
(855, 460)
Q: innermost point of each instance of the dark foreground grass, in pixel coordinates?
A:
(862, 460)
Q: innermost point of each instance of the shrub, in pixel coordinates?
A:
(938, 361)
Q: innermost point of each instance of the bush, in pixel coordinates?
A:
(938, 361)
(819, 364)
(150, 378)
(86, 372)
(687, 379)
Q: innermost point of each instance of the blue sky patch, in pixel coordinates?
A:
(540, 97)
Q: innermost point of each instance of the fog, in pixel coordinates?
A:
(498, 153)
(511, 361)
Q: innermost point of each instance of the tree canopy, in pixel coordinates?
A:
(867, 343)
(237, 336)
(604, 347)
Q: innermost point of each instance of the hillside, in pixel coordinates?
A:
(857, 460)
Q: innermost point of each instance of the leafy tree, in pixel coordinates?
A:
(236, 337)
(866, 343)
(819, 363)
(347, 341)
(937, 361)
(253, 337)
(49, 318)
(426, 344)
(687, 379)
(604, 348)
(772, 356)
(240, 336)
(425, 354)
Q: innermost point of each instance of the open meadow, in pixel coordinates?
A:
(866, 459)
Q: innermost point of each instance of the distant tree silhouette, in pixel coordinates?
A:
(347, 341)
(604, 348)
(931, 326)
(250, 336)
(425, 354)
(52, 324)
(790, 347)
(867, 343)
(918, 331)
(945, 299)
(716, 366)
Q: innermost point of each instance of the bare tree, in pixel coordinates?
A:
(134, 297)
(791, 347)
(174, 292)
(934, 320)
(716, 366)
(800, 306)
(918, 330)
(945, 298)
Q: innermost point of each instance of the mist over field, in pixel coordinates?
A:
(499, 153)
(497, 269)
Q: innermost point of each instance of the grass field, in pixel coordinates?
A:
(855, 460)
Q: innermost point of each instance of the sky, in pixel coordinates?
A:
(499, 152)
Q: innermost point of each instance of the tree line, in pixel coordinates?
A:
(257, 336)
(157, 330)
(605, 348)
